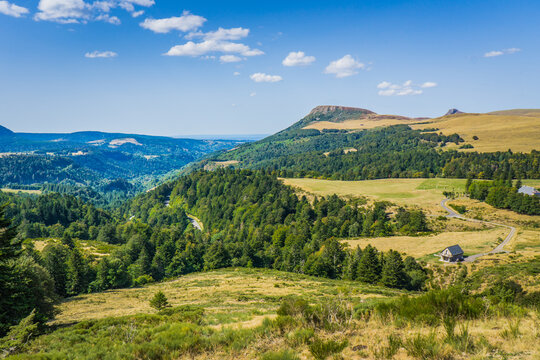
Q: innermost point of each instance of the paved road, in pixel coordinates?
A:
(196, 222)
(498, 249)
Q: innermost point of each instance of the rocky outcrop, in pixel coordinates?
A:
(453, 111)
(325, 109)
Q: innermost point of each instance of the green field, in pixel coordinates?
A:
(425, 193)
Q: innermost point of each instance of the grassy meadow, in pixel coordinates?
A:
(261, 314)
(518, 131)
(424, 193)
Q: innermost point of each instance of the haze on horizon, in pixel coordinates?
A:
(160, 68)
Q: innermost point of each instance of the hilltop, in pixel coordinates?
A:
(356, 144)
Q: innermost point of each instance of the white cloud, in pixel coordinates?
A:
(407, 88)
(107, 18)
(298, 58)
(346, 66)
(63, 11)
(428, 84)
(262, 77)
(186, 22)
(236, 73)
(501, 52)
(229, 58)
(79, 11)
(253, 94)
(221, 34)
(12, 10)
(137, 13)
(100, 54)
(197, 49)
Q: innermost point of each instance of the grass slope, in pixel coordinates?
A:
(516, 130)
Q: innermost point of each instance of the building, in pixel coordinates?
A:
(529, 190)
(452, 253)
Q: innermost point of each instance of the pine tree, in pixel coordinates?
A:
(393, 271)
(77, 273)
(369, 267)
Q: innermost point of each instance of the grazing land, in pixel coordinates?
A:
(497, 131)
(424, 247)
(424, 193)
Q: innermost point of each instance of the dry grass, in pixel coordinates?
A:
(369, 122)
(16, 191)
(229, 296)
(519, 131)
(472, 242)
(424, 193)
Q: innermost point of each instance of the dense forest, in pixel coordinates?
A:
(250, 220)
(391, 152)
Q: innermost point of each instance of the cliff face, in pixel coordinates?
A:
(326, 109)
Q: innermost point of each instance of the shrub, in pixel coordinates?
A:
(143, 280)
(321, 349)
(19, 335)
(184, 313)
(390, 350)
(159, 301)
(426, 347)
(300, 337)
(432, 307)
(286, 354)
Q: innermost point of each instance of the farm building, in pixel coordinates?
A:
(529, 190)
(452, 253)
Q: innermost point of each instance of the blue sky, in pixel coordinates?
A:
(209, 67)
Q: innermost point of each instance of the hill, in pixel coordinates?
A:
(97, 159)
(344, 143)
(518, 130)
(5, 131)
(267, 314)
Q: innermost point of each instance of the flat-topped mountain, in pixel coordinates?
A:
(325, 109)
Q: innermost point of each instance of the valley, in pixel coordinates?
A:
(320, 241)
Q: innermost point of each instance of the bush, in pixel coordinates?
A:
(19, 335)
(390, 350)
(143, 280)
(432, 307)
(426, 347)
(184, 313)
(286, 354)
(321, 349)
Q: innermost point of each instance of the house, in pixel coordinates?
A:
(452, 253)
(529, 190)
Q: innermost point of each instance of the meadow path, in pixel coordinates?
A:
(498, 249)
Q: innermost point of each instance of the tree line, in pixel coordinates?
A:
(502, 194)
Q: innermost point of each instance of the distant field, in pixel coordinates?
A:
(358, 124)
(471, 242)
(425, 193)
(518, 129)
(500, 131)
(15, 191)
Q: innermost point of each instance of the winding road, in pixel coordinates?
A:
(195, 222)
(498, 249)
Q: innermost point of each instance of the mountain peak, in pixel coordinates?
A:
(453, 111)
(325, 109)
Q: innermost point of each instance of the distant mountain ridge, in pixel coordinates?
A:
(5, 131)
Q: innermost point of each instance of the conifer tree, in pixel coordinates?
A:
(369, 267)
(393, 271)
